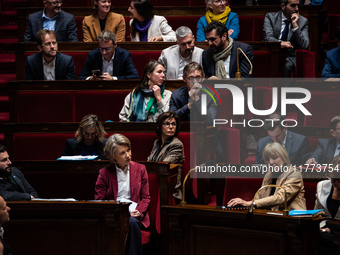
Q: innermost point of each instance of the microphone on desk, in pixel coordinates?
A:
(208, 163)
(251, 208)
(238, 73)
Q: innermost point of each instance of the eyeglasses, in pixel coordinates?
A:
(106, 49)
(220, 1)
(55, 3)
(195, 78)
(167, 124)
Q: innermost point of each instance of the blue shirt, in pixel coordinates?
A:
(49, 23)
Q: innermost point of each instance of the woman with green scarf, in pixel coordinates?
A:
(218, 11)
(150, 98)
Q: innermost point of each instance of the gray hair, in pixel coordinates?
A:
(112, 144)
(106, 36)
(183, 31)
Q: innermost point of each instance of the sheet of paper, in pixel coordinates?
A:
(132, 206)
(78, 157)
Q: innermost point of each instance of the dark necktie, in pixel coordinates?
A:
(285, 31)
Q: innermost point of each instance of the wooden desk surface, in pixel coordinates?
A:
(206, 230)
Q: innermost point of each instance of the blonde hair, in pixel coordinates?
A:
(275, 150)
(112, 144)
(88, 122)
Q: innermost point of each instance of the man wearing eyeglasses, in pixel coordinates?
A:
(186, 101)
(52, 18)
(49, 64)
(108, 62)
(176, 57)
(288, 27)
(327, 148)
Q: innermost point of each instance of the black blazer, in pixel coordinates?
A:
(64, 67)
(123, 67)
(65, 27)
(8, 192)
(72, 148)
(209, 63)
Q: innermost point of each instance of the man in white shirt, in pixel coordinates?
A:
(109, 61)
(176, 57)
(294, 37)
(220, 59)
(49, 64)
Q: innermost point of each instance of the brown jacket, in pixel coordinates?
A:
(114, 22)
(292, 181)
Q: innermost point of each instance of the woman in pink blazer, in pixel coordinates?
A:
(125, 180)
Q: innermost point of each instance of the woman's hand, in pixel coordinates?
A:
(156, 39)
(238, 201)
(327, 230)
(157, 92)
(135, 213)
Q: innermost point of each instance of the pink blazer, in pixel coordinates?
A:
(107, 187)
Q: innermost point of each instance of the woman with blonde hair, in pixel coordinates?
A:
(89, 138)
(218, 11)
(282, 173)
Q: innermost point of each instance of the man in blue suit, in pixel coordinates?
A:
(13, 185)
(108, 62)
(297, 145)
(186, 101)
(327, 148)
(52, 18)
(288, 27)
(332, 65)
(220, 59)
(49, 64)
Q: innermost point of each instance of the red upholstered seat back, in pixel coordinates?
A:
(79, 59)
(313, 142)
(323, 112)
(251, 28)
(154, 207)
(105, 104)
(333, 23)
(230, 139)
(189, 21)
(301, 69)
(44, 107)
(244, 188)
(141, 58)
(79, 24)
(310, 191)
(39, 146)
(261, 59)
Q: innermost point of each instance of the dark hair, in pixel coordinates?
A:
(334, 122)
(337, 33)
(161, 118)
(3, 148)
(42, 33)
(285, 2)
(192, 66)
(145, 9)
(149, 68)
(220, 28)
(275, 120)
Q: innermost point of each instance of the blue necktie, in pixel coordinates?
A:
(285, 31)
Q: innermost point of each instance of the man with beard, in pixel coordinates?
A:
(220, 59)
(49, 64)
(52, 18)
(4, 217)
(289, 28)
(13, 185)
(176, 57)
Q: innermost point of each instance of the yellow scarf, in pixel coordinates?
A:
(210, 16)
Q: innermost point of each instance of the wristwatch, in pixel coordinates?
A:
(323, 230)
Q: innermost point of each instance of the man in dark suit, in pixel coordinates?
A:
(297, 145)
(49, 64)
(220, 59)
(52, 18)
(288, 27)
(110, 61)
(185, 99)
(327, 148)
(13, 185)
(332, 65)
